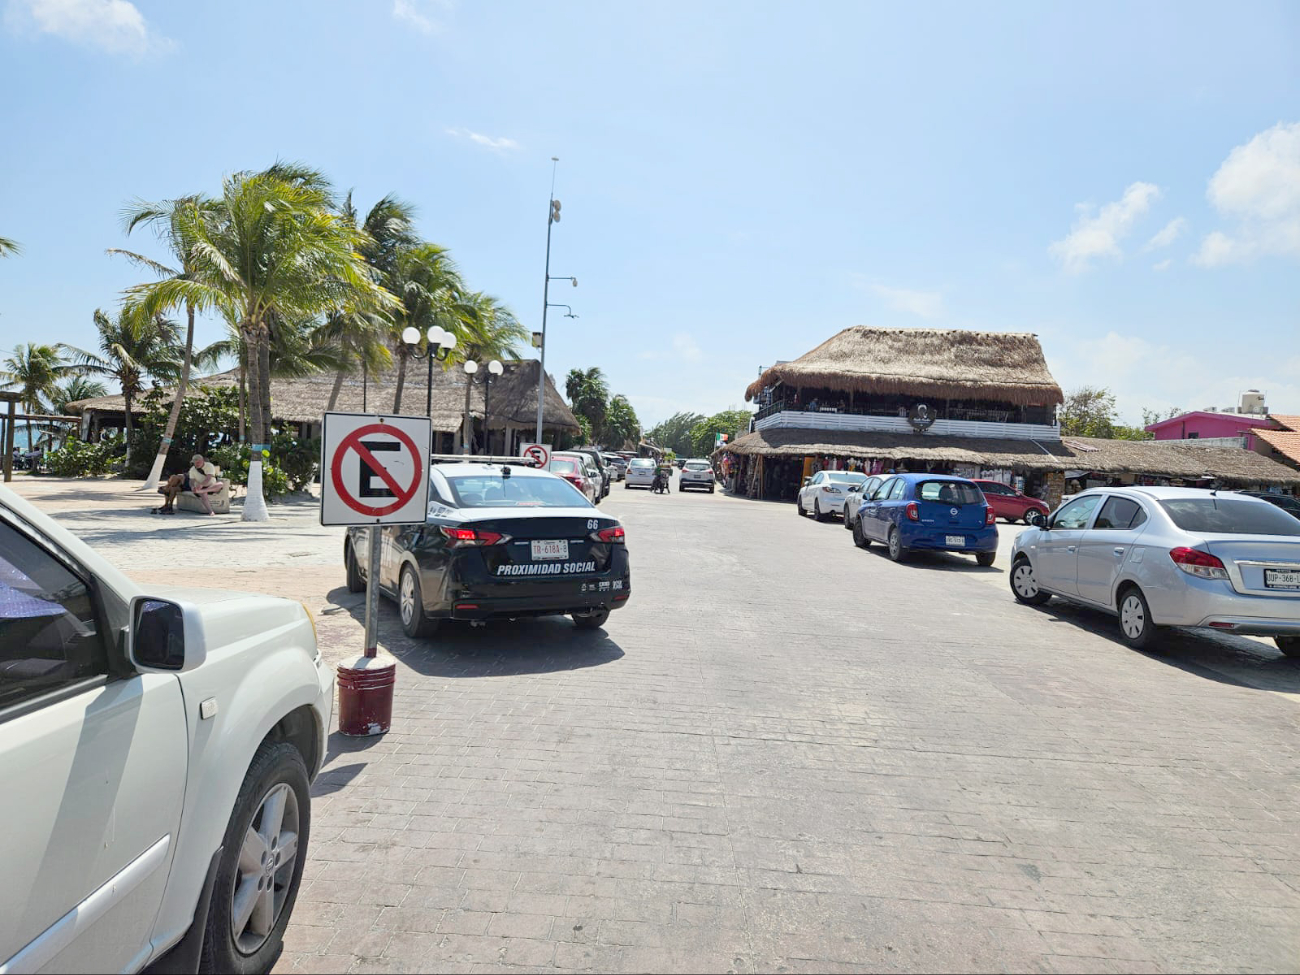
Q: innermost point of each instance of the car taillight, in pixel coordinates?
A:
(831, 490)
(614, 536)
(913, 512)
(989, 516)
(471, 538)
(1197, 563)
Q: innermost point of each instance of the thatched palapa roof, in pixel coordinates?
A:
(304, 399)
(934, 363)
(1153, 457)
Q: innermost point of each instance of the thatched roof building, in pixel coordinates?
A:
(303, 400)
(934, 363)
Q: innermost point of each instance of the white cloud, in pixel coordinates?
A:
(1169, 233)
(486, 141)
(115, 26)
(682, 348)
(1257, 188)
(925, 304)
(1163, 265)
(1098, 234)
(426, 16)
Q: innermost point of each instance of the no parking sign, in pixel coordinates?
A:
(374, 469)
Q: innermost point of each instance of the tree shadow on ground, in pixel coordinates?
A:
(1219, 657)
(505, 648)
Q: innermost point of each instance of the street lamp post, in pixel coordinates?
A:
(552, 218)
(441, 344)
(494, 371)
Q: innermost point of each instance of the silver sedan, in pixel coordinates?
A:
(856, 494)
(1157, 557)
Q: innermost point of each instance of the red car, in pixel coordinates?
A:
(572, 469)
(1010, 504)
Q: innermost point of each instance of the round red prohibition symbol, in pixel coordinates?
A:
(353, 442)
(537, 454)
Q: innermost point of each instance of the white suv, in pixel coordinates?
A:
(696, 474)
(156, 754)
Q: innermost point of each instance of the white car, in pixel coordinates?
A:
(1157, 557)
(157, 749)
(695, 474)
(640, 472)
(823, 494)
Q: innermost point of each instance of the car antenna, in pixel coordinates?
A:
(505, 470)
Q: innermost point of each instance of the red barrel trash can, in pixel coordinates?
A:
(366, 695)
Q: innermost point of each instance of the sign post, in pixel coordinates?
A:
(538, 453)
(374, 472)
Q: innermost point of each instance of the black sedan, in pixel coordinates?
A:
(499, 542)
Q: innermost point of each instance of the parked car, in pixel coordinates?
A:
(499, 542)
(696, 474)
(1158, 557)
(617, 466)
(598, 462)
(1284, 501)
(640, 472)
(928, 511)
(823, 493)
(1008, 503)
(157, 755)
(854, 497)
(573, 468)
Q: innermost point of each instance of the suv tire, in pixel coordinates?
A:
(356, 581)
(277, 767)
(592, 621)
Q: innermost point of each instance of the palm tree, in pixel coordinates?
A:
(430, 288)
(9, 247)
(165, 219)
(33, 371)
(271, 247)
(73, 389)
(488, 331)
(588, 394)
(133, 347)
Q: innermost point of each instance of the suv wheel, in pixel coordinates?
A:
(261, 864)
(356, 581)
(1135, 626)
(1289, 645)
(410, 605)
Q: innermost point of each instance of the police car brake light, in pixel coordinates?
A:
(471, 538)
(616, 535)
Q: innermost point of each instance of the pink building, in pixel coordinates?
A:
(1201, 425)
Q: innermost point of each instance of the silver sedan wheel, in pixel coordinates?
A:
(265, 869)
(1132, 617)
(407, 600)
(1022, 578)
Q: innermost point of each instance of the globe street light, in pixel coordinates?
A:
(441, 344)
(494, 371)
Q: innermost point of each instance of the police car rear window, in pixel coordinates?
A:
(495, 491)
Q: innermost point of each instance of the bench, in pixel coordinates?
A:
(220, 501)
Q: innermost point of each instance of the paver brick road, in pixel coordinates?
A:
(787, 754)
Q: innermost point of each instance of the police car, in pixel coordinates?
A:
(502, 540)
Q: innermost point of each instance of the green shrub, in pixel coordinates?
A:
(76, 458)
(233, 461)
(297, 458)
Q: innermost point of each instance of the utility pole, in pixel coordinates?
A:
(552, 217)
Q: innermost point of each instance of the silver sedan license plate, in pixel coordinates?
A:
(954, 540)
(551, 549)
(1282, 578)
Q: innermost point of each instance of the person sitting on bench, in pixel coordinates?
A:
(201, 480)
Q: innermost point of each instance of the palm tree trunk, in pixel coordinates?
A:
(264, 380)
(253, 378)
(243, 391)
(254, 501)
(401, 381)
(164, 445)
(126, 395)
(334, 392)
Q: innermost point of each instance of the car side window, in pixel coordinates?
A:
(1077, 512)
(817, 478)
(993, 489)
(50, 634)
(896, 491)
(1120, 513)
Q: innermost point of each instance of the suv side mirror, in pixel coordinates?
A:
(1037, 519)
(165, 636)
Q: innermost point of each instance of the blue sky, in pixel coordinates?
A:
(739, 180)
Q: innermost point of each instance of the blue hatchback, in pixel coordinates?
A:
(928, 511)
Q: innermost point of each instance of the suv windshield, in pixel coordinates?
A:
(949, 492)
(1230, 516)
(495, 491)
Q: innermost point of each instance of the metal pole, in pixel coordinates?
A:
(9, 444)
(428, 389)
(372, 595)
(487, 407)
(546, 297)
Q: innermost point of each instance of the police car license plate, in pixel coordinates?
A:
(1282, 578)
(954, 540)
(551, 549)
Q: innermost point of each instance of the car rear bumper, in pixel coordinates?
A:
(1189, 601)
(702, 482)
(1252, 625)
(983, 540)
(571, 600)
